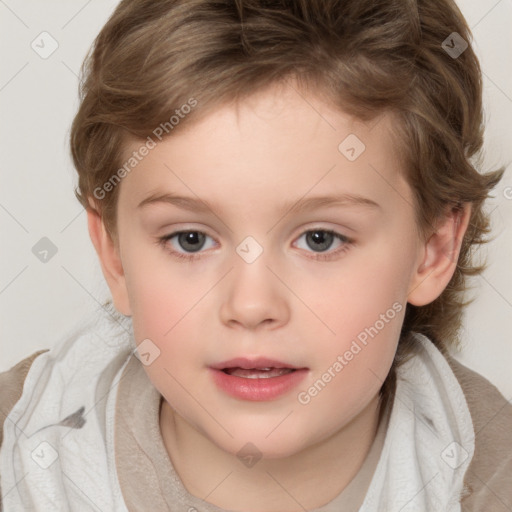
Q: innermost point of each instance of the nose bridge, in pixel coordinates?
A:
(254, 295)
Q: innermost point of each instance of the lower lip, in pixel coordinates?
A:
(257, 389)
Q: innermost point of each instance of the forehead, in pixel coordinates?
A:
(281, 143)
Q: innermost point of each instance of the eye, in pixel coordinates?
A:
(185, 243)
(321, 240)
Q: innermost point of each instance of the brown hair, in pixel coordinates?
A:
(151, 58)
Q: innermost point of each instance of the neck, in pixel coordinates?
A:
(302, 480)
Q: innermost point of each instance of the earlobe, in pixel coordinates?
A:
(110, 261)
(439, 257)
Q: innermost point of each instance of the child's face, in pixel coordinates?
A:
(287, 305)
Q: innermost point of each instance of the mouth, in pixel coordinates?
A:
(257, 379)
(257, 373)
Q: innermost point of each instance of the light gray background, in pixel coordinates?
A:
(39, 302)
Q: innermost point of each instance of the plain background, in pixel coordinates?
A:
(41, 301)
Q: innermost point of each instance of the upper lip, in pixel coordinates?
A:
(248, 364)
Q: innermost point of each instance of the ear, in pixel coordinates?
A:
(111, 265)
(438, 257)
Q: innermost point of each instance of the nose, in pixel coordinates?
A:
(254, 297)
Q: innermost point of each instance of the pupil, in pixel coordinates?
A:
(191, 241)
(322, 240)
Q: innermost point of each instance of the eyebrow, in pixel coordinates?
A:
(300, 205)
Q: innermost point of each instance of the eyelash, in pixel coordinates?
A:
(320, 256)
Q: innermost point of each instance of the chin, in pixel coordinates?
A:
(263, 443)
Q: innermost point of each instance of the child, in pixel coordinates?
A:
(283, 199)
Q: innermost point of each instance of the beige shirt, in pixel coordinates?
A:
(149, 482)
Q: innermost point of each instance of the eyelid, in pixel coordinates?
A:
(338, 231)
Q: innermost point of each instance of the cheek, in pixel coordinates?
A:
(352, 369)
(166, 312)
(168, 309)
(160, 292)
(364, 304)
(353, 293)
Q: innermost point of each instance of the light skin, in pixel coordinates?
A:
(287, 304)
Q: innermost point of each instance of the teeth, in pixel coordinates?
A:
(258, 373)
